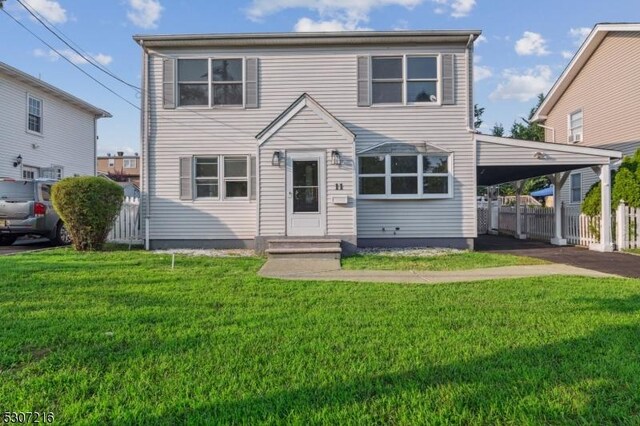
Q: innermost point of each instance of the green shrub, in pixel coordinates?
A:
(625, 185)
(88, 206)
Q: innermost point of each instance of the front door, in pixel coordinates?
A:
(306, 202)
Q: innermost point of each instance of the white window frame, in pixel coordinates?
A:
(571, 131)
(30, 169)
(209, 83)
(195, 178)
(129, 160)
(405, 79)
(246, 178)
(419, 177)
(222, 180)
(41, 101)
(111, 162)
(571, 199)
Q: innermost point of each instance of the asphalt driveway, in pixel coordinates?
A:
(626, 265)
(24, 245)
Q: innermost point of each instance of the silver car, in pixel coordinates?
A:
(26, 209)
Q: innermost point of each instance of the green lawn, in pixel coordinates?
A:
(442, 262)
(121, 338)
(634, 251)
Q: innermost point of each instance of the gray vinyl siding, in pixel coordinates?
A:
(330, 77)
(67, 139)
(318, 136)
(589, 177)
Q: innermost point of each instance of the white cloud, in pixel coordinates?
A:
(481, 39)
(100, 58)
(144, 13)
(50, 9)
(309, 25)
(531, 44)
(566, 54)
(525, 86)
(458, 8)
(480, 72)
(579, 34)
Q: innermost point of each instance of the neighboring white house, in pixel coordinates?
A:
(595, 101)
(44, 131)
(363, 137)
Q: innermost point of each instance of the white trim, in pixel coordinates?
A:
(307, 101)
(414, 143)
(28, 130)
(320, 156)
(597, 152)
(570, 128)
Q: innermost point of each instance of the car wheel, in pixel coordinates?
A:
(7, 240)
(63, 237)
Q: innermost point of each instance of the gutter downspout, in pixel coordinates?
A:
(467, 56)
(145, 146)
(552, 129)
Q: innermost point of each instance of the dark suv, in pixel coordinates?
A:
(25, 209)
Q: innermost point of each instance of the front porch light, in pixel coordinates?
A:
(336, 158)
(275, 160)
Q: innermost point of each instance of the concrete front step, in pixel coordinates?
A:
(305, 248)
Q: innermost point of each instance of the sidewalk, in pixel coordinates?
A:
(329, 270)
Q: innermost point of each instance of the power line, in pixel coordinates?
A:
(69, 60)
(83, 54)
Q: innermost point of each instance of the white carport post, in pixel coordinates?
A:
(491, 194)
(558, 180)
(606, 243)
(519, 235)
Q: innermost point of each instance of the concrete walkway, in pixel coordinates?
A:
(329, 270)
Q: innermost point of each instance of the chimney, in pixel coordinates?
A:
(120, 153)
(136, 154)
(108, 154)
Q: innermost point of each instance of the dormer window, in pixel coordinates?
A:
(575, 126)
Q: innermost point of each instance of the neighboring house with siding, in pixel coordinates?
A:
(596, 101)
(45, 132)
(120, 167)
(365, 137)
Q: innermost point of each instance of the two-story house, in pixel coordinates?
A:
(45, 132)
(595, 102)
(121, 167)
(361, 137)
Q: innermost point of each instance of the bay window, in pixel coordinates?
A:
(405, 176)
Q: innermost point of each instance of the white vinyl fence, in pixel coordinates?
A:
(578, 229)
(126, 227)
(627, 232)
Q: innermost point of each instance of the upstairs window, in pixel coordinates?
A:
(404, 80)
(226, 78)
(34, 114)
(575, 127)
(112, 162)
(210, 82)
(193, 78)
(129, 163)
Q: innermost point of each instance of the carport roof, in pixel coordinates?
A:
(501, 160)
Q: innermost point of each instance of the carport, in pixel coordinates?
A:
(503, 160)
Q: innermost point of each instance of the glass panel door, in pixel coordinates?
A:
(305, 186)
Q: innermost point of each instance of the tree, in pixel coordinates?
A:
(477, 116)
(528, 130)
(625, 185)
(498, 130)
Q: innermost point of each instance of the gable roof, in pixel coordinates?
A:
(588, 47)
(305, 100)
(48, 88)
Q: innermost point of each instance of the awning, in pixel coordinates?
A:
(501, 160)
(544, 192)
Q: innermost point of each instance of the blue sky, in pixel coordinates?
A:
(525, 44)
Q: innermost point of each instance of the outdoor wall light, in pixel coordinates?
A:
(336, 158)
(275, 160)
(18, 161)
